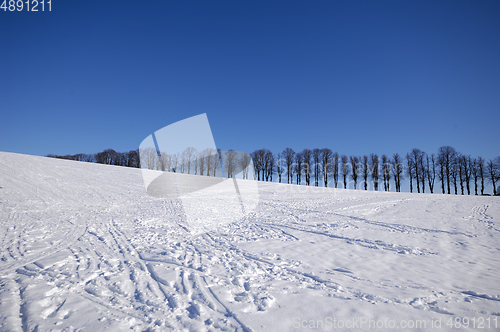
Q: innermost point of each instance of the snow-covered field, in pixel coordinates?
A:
(84, 248)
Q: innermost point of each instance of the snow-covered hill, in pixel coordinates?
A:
(84, 248)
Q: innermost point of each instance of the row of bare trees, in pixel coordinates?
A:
(455, 171)
(452, 168)
(310, 167)
(188, 161)
(191, 161)
(108, 156)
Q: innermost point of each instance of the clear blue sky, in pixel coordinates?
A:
(355, 76)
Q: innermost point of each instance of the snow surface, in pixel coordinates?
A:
(84, 248)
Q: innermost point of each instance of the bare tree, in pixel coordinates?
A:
(113, 157)
(446, 157)
(148, 158)
(354, 173)
(209, 161)
(202, 162)
(206, 160)
(398, 170)
(187, 158)
(454, 168)
(345, 169)
(288, 154)
(298, 166)
(195, 162)
(422, 169)
(461, 171)
(132, 158)
(230, 163)
(164, 161)
(386, 172)
(468, 172)
(215, 162)
(326, 156)
(410, 169)
(122, 159)
(268, 164)
(258, 162)
(273, 166)
(431, 171)
(82, 156)
(258, 157)
(183, 162)
(335, 162)
(442, 172)
(108, 157)
(244, 163)
(306, 165)
(474, 173)
(416, 156)
(175, 161)
(316, 160)
(481, 171)
(374, 165)
(279, 165)
(365, 170)
(90, 158)
(492, 168)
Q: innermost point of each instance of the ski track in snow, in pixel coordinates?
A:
(83, 248)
